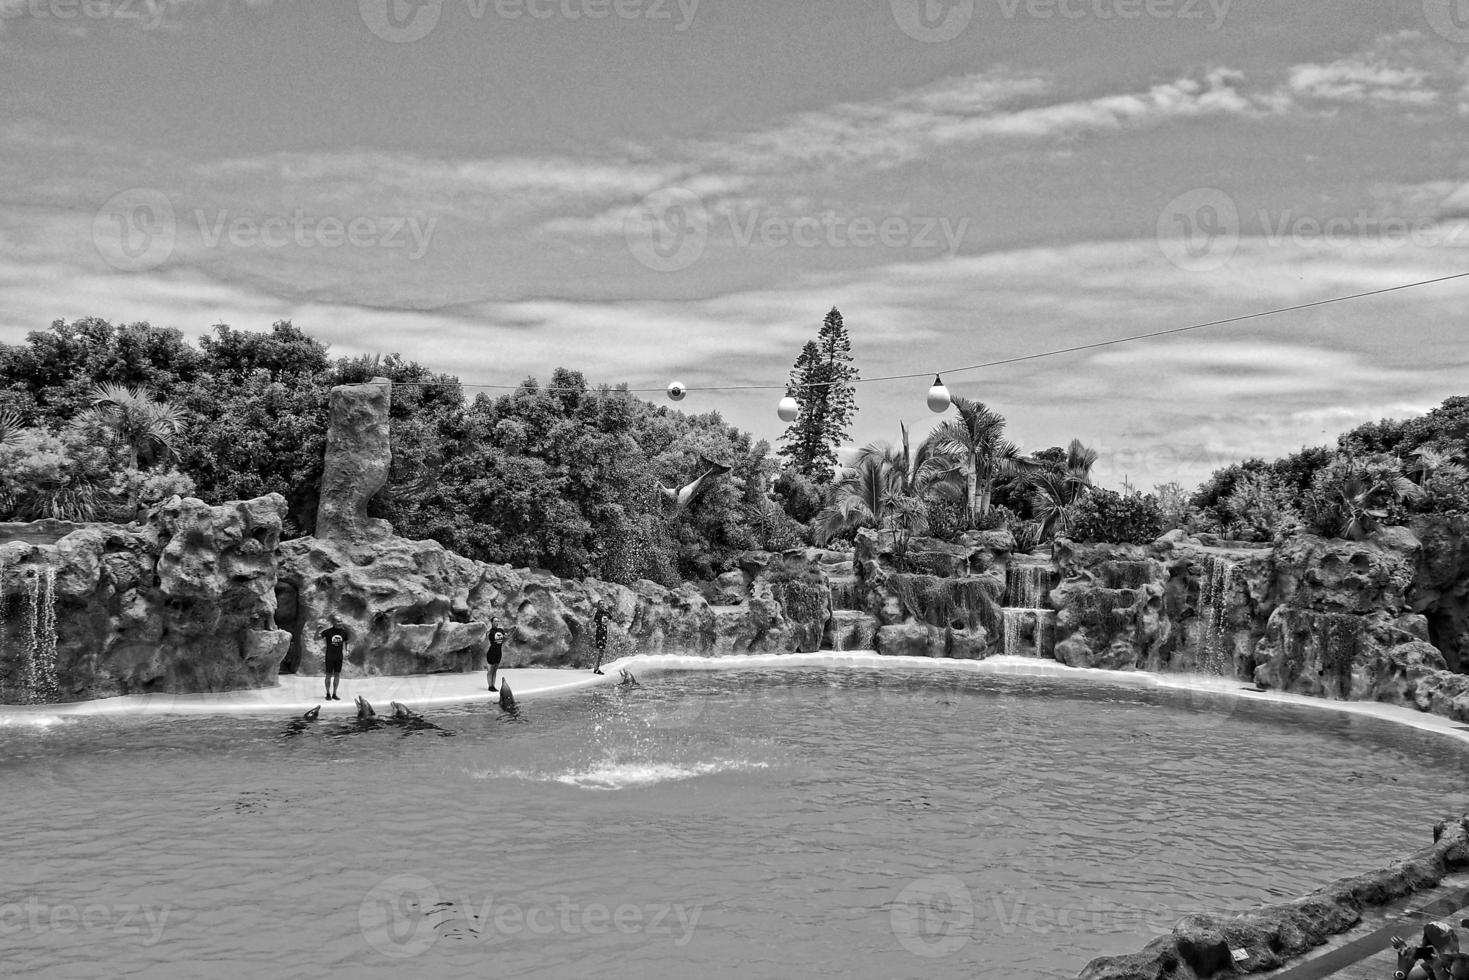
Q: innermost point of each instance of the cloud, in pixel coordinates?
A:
(1357, 81)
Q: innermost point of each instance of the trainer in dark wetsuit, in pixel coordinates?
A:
(335, 638)
(496, 638)
(599, 623)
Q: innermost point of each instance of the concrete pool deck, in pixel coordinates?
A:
(1217, 696)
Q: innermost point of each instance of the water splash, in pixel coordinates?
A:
(1216, 588)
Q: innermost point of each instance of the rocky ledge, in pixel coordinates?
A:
(1202, 947)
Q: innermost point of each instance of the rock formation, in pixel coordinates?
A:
(181, 601)
(207, 598)
(355, 467)
(1201, 947)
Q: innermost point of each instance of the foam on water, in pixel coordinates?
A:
(626, 775)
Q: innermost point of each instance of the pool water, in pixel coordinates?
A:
(755, 823)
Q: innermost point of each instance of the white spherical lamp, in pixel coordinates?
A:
(788, 409)
(938, 396)
(676, 391)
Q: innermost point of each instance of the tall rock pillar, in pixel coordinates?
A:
(356, 464)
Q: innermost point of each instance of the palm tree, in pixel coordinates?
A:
(1056, 494)
(920, 471)
(1351, 497)
(11, 425)
(134, 419)
(1428, 463)
(871, 494)
(976, 441)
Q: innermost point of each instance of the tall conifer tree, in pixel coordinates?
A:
(821, 383)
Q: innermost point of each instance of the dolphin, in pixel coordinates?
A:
(301, 724)
(507, 700)
(684, 494)
(628, 680)
(364, 708)
(410, 721)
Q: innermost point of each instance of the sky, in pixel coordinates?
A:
(658, 190)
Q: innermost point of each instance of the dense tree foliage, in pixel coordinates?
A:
(564, 478)
(1379, 473)
(100, 422)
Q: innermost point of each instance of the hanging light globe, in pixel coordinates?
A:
(676, 391)
(788, 409)
(939, 399)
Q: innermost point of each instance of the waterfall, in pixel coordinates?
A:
(33, 616)
(1014, 631)
(46, 641)
(1027, 586)
(1025, 616)
(38, 664)
(1215, 589)
(844, 593)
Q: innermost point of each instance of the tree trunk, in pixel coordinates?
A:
(971, 479)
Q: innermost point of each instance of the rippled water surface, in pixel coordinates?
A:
(776, 823)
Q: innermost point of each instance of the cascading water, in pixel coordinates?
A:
(1215, 594)
(1026, 586)
(38, 664)
(45, 640)
(844, 593)
(1026, 590)
(1014, 634)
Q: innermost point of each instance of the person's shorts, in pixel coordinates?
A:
(601, 639)
(492, 660)
(333, 662)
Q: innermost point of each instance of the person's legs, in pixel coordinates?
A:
(494, 673)
(336, 679)
(601, 649)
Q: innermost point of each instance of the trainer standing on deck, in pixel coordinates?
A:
(336, 651)
(496, 638)
(599, 626)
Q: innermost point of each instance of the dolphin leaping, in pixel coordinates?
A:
(684, 494)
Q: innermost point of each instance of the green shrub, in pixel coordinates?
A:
(1103, 515)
